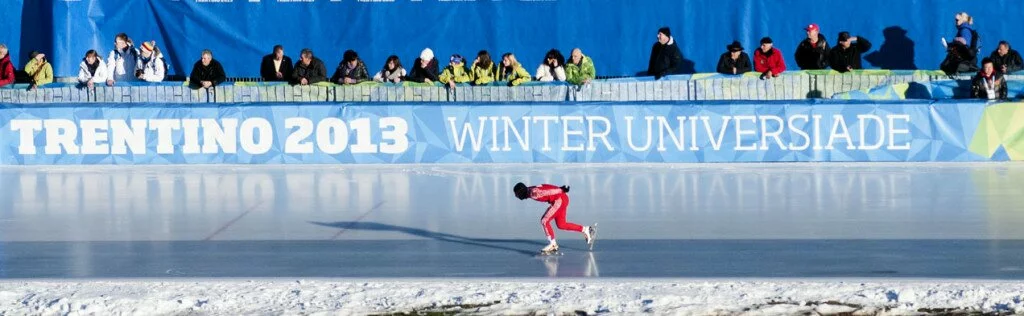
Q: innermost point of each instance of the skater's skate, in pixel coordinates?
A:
(589, 233)
(550, 249)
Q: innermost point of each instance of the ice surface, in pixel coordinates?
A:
(656, 220)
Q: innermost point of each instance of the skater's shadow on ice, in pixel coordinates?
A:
(481, 242)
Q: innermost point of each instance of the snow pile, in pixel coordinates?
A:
(232, 297)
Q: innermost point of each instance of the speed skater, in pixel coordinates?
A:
(558, 200)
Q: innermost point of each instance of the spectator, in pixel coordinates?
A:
(391, 72)
(812, 53)
(484, 69)
(424, 69)
(552, 68)
(92, 70)
(964, 28)
(580, 69)
(6, 67)
(1005, 59)
(207, 72)
(351, 70)
(456, 72)
(150, 66)
(734, 61)
(989, 83)
(309, 69)
(768, 60)
(512, 71)
(276, 66)
(846, 57)
(121, 62)
(39, 70)
(666, 59)
(959, 58)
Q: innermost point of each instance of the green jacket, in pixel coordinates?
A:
(517, 76)
(577, 74)
(460, 74)
(44, 74)
(482, 76)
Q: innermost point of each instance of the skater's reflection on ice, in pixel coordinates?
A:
(571, 265)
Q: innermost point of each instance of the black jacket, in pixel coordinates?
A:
(214, 72)
(808, 57)
(358, 73)
(841, 58)
(665, 60)
(726, 63)
(268, 73)
(979, 90)
(959, 59)
(418, 74)
(1012, 61)
(314, 72)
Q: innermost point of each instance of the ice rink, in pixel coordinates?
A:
(955, 221)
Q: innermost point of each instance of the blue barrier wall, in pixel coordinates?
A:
(763, 131)
(617, 33)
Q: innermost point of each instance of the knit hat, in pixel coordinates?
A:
(427, 54)
(766, 40)
(843, 36)
(456, 58)
(734, 47)
(147, 46)
(665, 30)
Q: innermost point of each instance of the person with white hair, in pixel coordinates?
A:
(425, 68)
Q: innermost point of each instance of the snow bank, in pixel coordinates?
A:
(771, 297)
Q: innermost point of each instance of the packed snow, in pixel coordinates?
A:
(520, 297)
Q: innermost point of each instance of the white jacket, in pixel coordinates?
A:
(544, 73)
(121, 67)
(100, 76)
(398, 73)
(154, 70)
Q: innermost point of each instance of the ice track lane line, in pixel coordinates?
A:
(232, 222)
(358, 219)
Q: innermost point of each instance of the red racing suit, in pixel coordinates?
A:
(559, 201)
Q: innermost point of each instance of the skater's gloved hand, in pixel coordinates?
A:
(565, 188)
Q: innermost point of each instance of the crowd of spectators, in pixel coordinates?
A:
(126, 63)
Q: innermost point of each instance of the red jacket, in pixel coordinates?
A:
(774, 62)
(6, 71)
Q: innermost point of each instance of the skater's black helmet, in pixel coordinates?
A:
(521, 191)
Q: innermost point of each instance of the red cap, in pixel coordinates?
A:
(812, 27)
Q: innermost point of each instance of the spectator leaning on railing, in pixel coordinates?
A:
(768, 60)
(666, 58)
(1006, 59)
(812, 52)
(512, 71)
(846, 56)
(276, 66)
(92, 70)
(424, 68)
(38, 69)
(150, 66)
(351, 70)
(121, 62)
(455, 72)
(552, 68)
(734, 61)
(988, 83)
(391, 72)
(207, 72)
(484, 70)
(580, 68)
(6, 67)
(309, 69)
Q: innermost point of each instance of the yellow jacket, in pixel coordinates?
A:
(43, 71)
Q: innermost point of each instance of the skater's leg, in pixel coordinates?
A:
(545, 222)
(560, 217)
